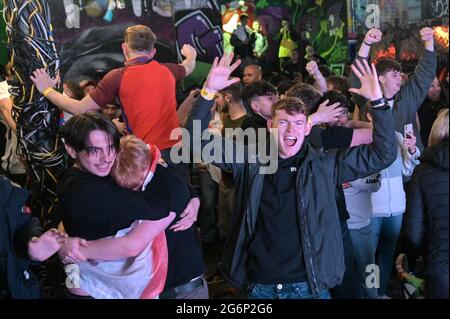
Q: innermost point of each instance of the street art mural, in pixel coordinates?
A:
(320, 23)
(90, 32)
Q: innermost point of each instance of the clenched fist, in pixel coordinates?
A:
(427, 36)
(373, 36)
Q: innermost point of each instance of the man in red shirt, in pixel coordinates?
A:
(145, 88)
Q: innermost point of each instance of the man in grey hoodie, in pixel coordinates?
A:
(404, 100)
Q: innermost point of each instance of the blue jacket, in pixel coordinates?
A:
(16, 230)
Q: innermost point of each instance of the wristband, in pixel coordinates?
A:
(47, 91)
(207, 95)
(364, 41)
(378, 103)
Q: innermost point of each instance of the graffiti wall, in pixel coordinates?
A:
(90, 32)
(320, 23)
(435, 9)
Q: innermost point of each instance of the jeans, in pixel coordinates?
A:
(385, 233)
(284, 291)
(345, 289)
(436, 286)
(363, 255)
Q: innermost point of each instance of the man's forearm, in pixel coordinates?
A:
(67, 104)
(364, 50)
(5, 110)
(107, 249)
(189, 65)
(321, 83)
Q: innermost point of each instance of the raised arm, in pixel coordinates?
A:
(326, 113)
(320, 81)
(185, 108)
(218, 78)
(364, 160)
(417, 87)
(190, 61)
(45, 84)
(372, 36)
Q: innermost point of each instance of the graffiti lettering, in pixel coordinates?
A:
(439, 8)
(197, 30)
(339, 54)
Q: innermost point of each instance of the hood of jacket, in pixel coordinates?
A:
(436, 155)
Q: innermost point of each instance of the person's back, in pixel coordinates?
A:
(426, 224)
(145, 88)
(432, 177)
(141, 104)
(185, 255)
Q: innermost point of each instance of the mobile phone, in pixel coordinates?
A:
(409, 131)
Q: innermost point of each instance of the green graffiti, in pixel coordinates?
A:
(339, 54)
(262, 4)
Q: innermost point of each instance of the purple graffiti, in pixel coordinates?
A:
(197, 30)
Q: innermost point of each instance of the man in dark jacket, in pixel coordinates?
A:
(20, 246)
(285, 240)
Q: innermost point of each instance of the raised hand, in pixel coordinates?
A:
(370, 87)
(373, 36)
(327, 113)
(312, 68)
(188, 51)
(427, 36)
(219, 75)
(42, 80)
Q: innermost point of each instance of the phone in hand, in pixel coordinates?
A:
(409, 131)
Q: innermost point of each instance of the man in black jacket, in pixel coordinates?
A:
(21, 243)
(285, 240)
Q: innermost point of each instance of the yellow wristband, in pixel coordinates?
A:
(310, 121)
(47, 91)
(207, 95)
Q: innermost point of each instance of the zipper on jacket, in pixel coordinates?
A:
(307, 243)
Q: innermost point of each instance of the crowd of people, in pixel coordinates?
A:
(361, 174)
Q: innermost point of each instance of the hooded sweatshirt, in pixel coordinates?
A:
(390, 199)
